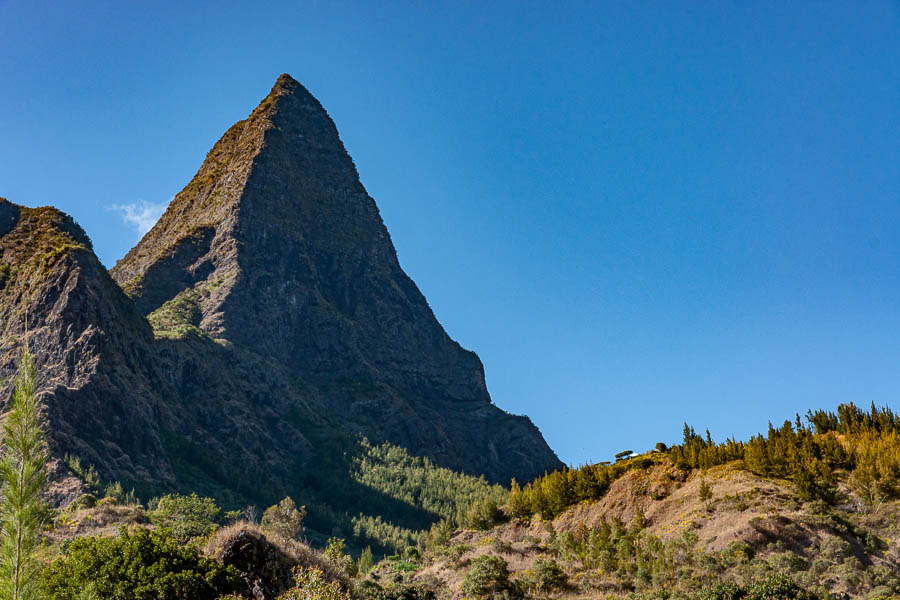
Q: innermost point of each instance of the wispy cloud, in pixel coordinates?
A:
(140, 215)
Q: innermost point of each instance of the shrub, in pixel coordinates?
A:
(737, 552)
(143, 565)
(705, 490)
(336, 552)
(366, 561)
(488, 577)
(310, 584)
(369, 590)
(777, 587)
(787, 561)
(83, 501)
(484, 514)
(548, 576)
(186, 516)
(455, 554)
(284, 519)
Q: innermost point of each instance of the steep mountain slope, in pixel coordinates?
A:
(91, 345)
(150, 413)
(276, 249)
(264, 332)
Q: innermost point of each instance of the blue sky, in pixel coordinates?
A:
(637, 213)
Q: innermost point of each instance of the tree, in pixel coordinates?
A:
(336, 552)
(23, 468)
(705, 490)
(187, 516)
(548, 576)
(284, 519)
(484, 514)
(517, 503)
(366, 561)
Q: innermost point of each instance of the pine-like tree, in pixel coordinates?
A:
(23, 469)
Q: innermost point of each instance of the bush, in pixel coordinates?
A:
(186, 516)
(777, 587)
(548, 576)
(336, 552)
(488, 577)
(366, 561)
(284, 519)
(484, 514)
(310, 584)
(705, 490)
(144, 565)
(83, 501)
(738, 552)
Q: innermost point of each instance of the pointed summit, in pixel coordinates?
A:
(276, 249)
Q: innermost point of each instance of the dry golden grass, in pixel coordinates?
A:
(294, 552)
(100, 521)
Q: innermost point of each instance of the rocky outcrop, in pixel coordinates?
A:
(265, 314)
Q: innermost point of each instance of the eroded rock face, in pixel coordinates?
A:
(94, 352)
(265, 314)
(292, 262)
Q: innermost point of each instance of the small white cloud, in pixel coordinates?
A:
(140, 215)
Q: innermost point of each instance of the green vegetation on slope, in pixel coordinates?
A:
(386, 498)
(809, 539)
(863, 447)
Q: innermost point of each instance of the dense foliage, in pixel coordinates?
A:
(186, 516)
(310, 584)
(550, 495)
(137, 565)
(284, 519)
(859, 448)
(386, 498)
(488, 577)
(864, 445)
(418, 482)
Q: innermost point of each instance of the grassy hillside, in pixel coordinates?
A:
(807, 510)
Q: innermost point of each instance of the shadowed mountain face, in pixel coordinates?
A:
(266, 314)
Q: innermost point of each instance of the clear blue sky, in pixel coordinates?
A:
(636, 213)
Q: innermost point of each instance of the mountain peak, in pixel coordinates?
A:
(276, 248)
(286, 81)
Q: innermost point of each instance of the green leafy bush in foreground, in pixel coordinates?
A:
(139, 565)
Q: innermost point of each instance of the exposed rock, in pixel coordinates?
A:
(266, 563)
(266, 314)
(281, 252)
(264, 567)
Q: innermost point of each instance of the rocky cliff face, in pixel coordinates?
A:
(266, 313)
(94, 351)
